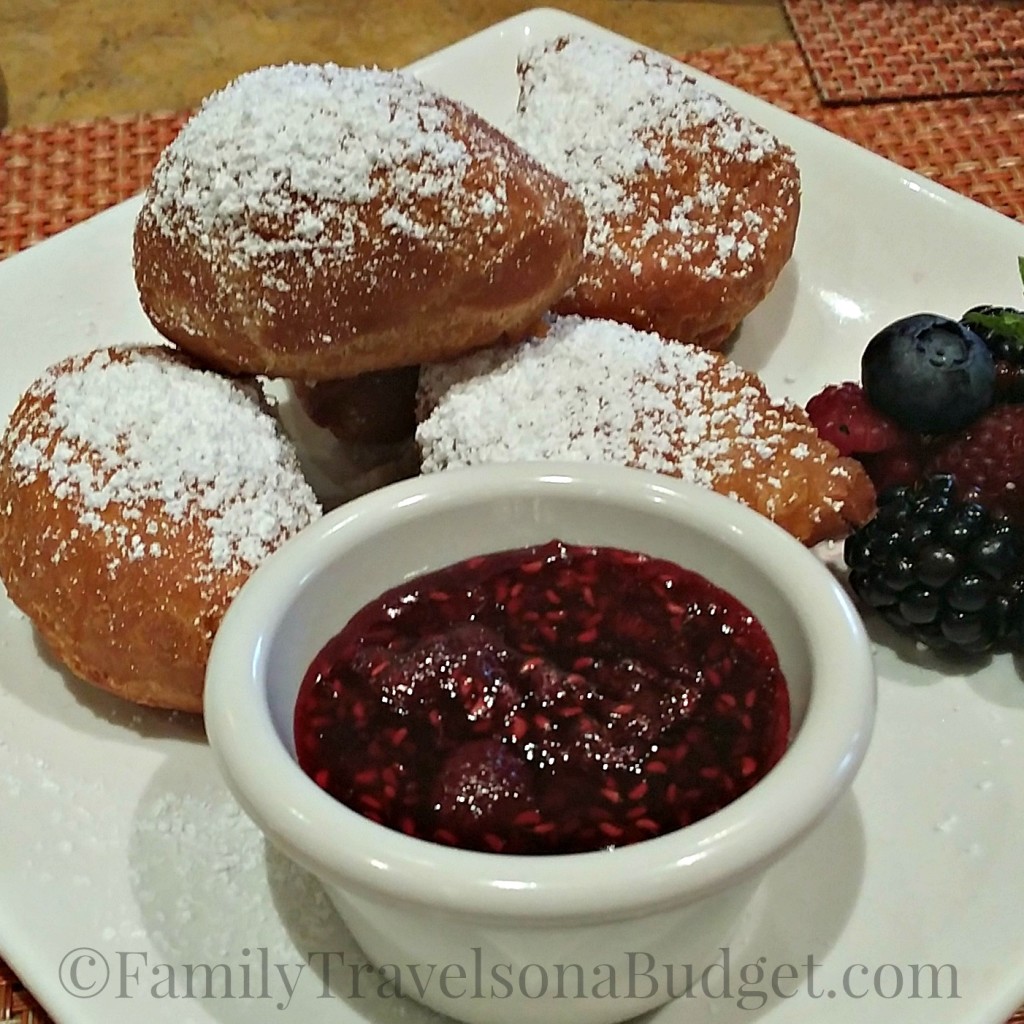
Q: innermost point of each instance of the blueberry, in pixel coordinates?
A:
(929, 373)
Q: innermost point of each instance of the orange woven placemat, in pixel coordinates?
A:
(53, 177)
(57, 175)
(974, 145)
(903, 49)
(16, 1004)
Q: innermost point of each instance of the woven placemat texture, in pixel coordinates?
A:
(974, 145)
(53, 177)
(865, 50)
(16, 1004)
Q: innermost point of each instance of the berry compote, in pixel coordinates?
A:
(554, 699)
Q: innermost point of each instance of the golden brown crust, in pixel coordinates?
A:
(321, 285)
(679, 297)
(603, 391)
(781, 468)
(142, 633)
(692, 208)
(125, 587)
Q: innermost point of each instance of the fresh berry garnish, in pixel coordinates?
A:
(842, 414)
(929, 373)
(987, 461)
(943, 571)
(1009, 382)
(1002, 330)
(894, 468)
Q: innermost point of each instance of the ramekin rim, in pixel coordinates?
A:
(820, 762)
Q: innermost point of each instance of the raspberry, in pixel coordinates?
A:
(480, 792)
(943, 571)
(893, 468)
(987, 461)
(842, 414)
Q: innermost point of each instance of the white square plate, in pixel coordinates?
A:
(123, 860)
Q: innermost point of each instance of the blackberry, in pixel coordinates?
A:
(943, 571)
(1002, 330)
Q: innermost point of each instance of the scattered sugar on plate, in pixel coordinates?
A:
(185, 871)
(76, 829)
(201, 869)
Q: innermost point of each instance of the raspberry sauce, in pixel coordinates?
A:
(554, 699)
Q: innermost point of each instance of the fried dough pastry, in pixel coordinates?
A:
(603, 391)
(316, 222)
(692, 209)
(137, 494)
(354, 434)
(373, 408)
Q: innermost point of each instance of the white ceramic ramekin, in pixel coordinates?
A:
(499, 928)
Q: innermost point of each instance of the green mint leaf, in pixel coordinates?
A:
(1006, 323)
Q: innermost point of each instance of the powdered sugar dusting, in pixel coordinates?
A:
(601, 391)
(567, 395)
(202, 874)
(182, 870)
(127, 428)
(605, 117)
(285, 159)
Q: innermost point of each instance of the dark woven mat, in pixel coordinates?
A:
(867, 50)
